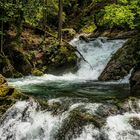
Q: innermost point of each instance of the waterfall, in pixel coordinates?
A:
(97, 53)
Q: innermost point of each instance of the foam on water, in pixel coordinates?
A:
(119, 128)
(25, 121)
(89, 133)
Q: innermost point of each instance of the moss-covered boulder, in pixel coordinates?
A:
(122, 61)
(60, 59)
(8, 96)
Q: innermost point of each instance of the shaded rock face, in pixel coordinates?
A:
(135, 80)
(8, 96)
(18, 59)
(122, 61)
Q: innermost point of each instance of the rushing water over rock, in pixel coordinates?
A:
(80, 121)
(97, 53)
(75, 106)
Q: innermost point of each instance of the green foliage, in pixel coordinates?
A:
(116, 15)
(123, 14)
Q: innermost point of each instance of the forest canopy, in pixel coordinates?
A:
(81, 15)
(108, 13)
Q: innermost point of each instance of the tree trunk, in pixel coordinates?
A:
(45, 18)
(60, 21)
(1, 44)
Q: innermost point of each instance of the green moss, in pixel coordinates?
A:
(36, 72)
(8, 96)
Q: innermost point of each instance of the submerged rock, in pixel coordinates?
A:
(135, 122)
(122, 61)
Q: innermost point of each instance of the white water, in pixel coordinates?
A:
(97, 53)
(25, 121)
(118, 127)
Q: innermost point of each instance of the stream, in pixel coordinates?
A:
(78, 106)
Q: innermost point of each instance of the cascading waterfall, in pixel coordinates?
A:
(97, 53)
(73, 116)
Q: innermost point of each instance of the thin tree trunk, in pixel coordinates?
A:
(60, 21)
(45, 18)
(1, 44)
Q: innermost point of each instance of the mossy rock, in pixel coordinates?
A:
(122, 61)
(73, 125)
(8, 96)
(68, 33)
(60, 59)
(37, 72)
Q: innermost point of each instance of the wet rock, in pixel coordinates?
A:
(107, 110)
(135, 122)
(135, 80)
(122, 61)
(83, 38)
(130, 104)
(78, 118)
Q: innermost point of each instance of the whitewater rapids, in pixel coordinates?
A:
(24, 121)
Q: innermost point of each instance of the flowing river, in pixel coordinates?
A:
(75, 106)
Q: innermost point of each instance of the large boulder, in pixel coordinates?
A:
(135, 80)
(122, 61)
